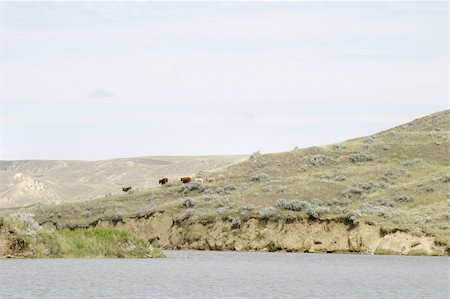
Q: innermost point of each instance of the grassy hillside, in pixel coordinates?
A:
(398, 179)
(29, 182)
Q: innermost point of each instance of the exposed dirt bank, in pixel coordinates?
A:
(296, 235)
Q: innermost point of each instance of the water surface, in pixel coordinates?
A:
(207, 274)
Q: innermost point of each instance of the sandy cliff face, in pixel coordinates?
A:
(300, 235)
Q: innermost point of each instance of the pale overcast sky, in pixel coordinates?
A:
(102, 80)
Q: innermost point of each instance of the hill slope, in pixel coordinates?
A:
(34, 181)
(385, 193)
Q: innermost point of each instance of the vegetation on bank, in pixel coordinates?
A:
(397, 179)
(31, 240)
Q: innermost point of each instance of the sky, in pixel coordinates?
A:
(102, 80)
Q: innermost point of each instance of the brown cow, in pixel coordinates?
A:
(163, 181)
(186, 179)
(126, 189)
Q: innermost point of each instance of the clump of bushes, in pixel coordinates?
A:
(412, 162)
(340, 178)
(303, 168)
(403, 198)
(227, 189)
(282, 189)
(247, 208)
(319, 160)
(236, 222)
(187, 203)
(267, 212)
(221, 210)
(445, 178)
(87, 213)
(381, 211)
(369, 140)
(353, 215)
(326, 177)
(339, 147)
(267, 189)
(260, 177)
(389, 177)
(361, 157)
(359, 188)
(192, 186)
(385, 202)
(208, 197)
(297, 205)
(293, 205)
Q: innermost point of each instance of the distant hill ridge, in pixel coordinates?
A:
(26, 182)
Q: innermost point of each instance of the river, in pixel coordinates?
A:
(208, 274)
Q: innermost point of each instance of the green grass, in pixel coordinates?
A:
(385, 252)
(90, 242)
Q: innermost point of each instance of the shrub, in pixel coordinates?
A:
(260, 177)
(87, 213)
(359, 188)
(293, 205)
(302, 206)
(208, 191)
(385, 202)
(340, 178)
(267, 189)
(387, 147)
(192, 186)
(445, 178)
(361, 157)
(381, 211)
(326, 177)
(187, 203)
(247, 208)
(282, 189)
(255, 154)
(353, 215)
(429, 188)
(368, 140)
(339, 147)
(389, 176)
(221, 210)
(225, 189)
(316, 202)
(403, 198)
(318, 160)
(316, 211)
(267, 212)
(303, 168)
(236, 222)
(208, 197)
(26, 218)
(188, 215)
(412, 162)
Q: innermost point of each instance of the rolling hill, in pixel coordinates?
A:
(387, 193)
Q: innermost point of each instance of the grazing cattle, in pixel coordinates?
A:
(210, 180)
(126, 189)
(163, 181)
(185, 179)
